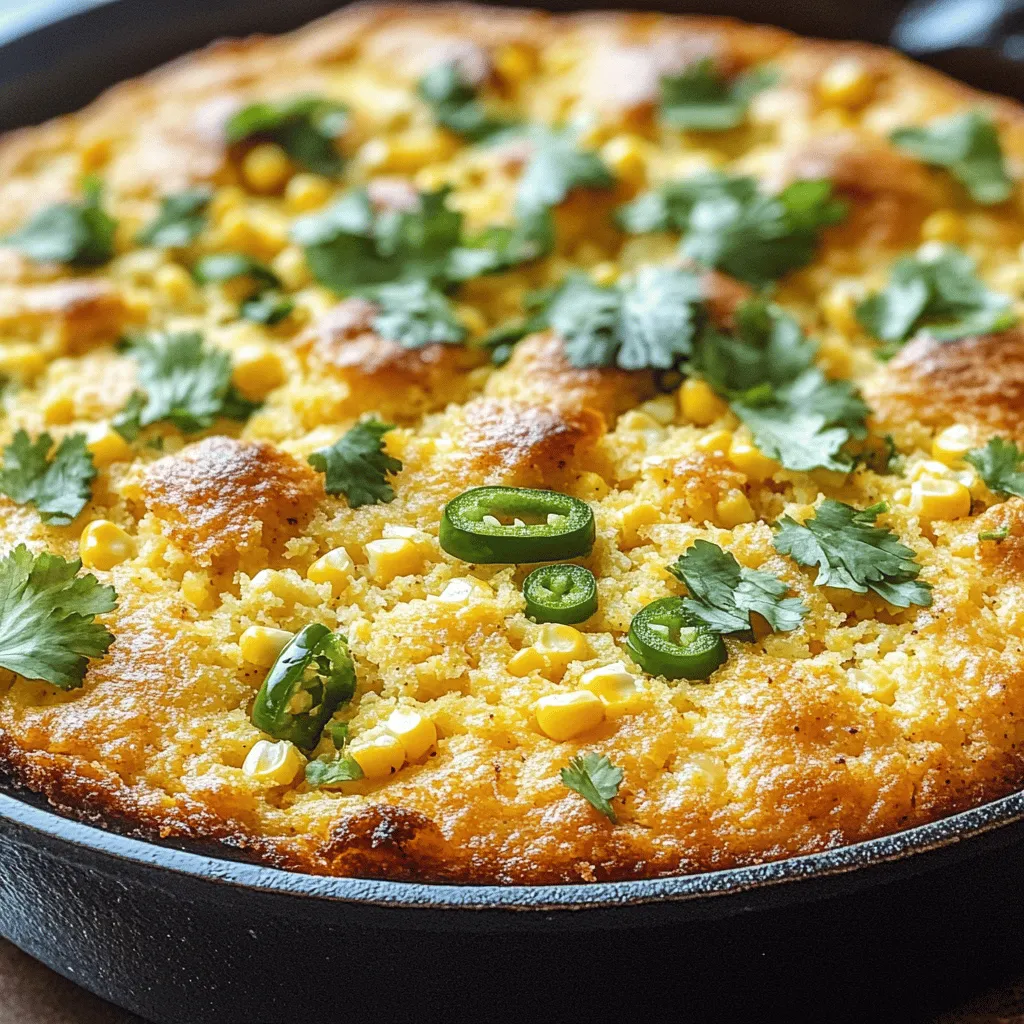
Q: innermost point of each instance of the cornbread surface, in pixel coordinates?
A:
(864, 720)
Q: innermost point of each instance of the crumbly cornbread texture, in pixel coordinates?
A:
(864, 720)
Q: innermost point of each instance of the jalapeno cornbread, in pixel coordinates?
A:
(725, 324)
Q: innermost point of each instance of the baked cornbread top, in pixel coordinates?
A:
(747, 301)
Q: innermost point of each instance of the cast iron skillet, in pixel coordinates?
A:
(882, 930)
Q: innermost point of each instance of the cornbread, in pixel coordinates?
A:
(223, 540)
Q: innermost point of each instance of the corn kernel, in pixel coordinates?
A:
(750, 461)
(415, 731)
(391, 557)
(262, 644)
(943, 226)
(306, 192)
(195, 588)
(953, 444)
(463, 590)
(613, 684)
(633, 519)
(106, 445)
(407, 153)
(929, 467)
(266, 167)
(847, 83)
(838, 307)
(175, 284)
(661, 409)
(59, 409)
(624, 154)
(734, 509)
(22, 360)
(606, 273)
(591, 486)
(104, 544)
(699, 404)
(277, 763)
(291, 267)
(564, 715)
(257, 369)
(525, 662)
(335, 568)
(378, 756)
(716, 441)
(559, 645)
(934, 498)
(514, 63)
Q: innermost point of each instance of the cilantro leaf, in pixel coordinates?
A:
(938, 293)
(999, 465)
(414, 314)
(46, 618)
(58, 487)
(356, 466)
(225, 266)
(305, 127)
(728, 224)
(455, 105)
(333, 772)
(269, 307)
(702, 99)
(557, 167)
(596, 779)
(181, 218)
(723, 593)
(968, 145)
(78, 234)
(853, 554)
(183, 382)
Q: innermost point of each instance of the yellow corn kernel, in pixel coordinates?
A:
(175, 284)
(262, 644)
(335, 568)
(106, 445)
(464, 590)
(591, 486)
(21, 360)
(838, 307)
(734, 509)
(415, 731)
(104, 544)
(624, 154)
(195, 588)
(929, 467)
(661, 409)
(266, 167)
(291, 267)
(935, 498)
(605, 273)
(613, 684)
(514, 63)
(750, 461)
(471, 318)
(525, 662)
(277, 763)
(953, 444)
(306, 192)
(378, 756)
(564, 715)
(847, 83)
(391, 557)
(943, 226)
(407, 153)
(559, 645)
(633, 519)
(716, 441)
(699, 404)
(59, 409)
(257, 370)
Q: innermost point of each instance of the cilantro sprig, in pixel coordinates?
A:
(968, 146)
(724, 594)
(702, 99)
(59, 487)
(332, 771)
(852, 553)
(557, 166)
(729, 224)
(180, 220)
(999, 465)
(78, 234)
(596, 779)
(307, 128)
(184, 383)
(414, 314)
(47, 612)
(938, 293)
(455, 104)
(357, 466)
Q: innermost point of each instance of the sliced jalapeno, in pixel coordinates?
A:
(560, 593)
(664, 641)
(486, 525)
(312, 676)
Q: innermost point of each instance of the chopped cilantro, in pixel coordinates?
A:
(306, 128)
(226, 266)
(727, 223)
(995, 535)
(557, 167)
(181, 218)
(999, 465)
(596, 779)
(968, 145)
(332, 771)
(853, 554)
(79, 234)
(937, 293)
(269, 307)
(182, 382)
(414, 314)
(58, 487)
(356, 465)
(723, 594)
(47, 630)
(702, 99)
(455, 105)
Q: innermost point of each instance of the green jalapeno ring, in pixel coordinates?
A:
(665, 641)
(464, 533)
(314, 662)
(563, 593)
